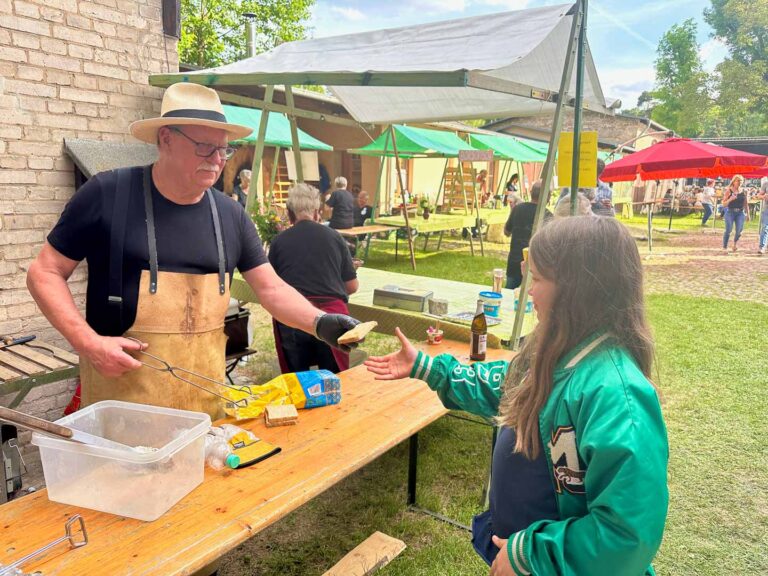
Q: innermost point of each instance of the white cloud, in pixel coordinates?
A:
(712, 53)
(626, 83)
(351, 14)
(620, 23)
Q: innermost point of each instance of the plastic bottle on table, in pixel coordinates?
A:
(218, 453)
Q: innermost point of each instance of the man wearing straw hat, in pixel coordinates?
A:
(161, 249)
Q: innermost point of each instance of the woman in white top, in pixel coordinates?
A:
(708, 200)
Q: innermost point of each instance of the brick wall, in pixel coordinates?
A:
(68, 69)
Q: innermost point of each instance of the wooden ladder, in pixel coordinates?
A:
(458, 188)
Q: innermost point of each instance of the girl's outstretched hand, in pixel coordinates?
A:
(395, 365)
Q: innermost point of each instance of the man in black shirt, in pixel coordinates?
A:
(342, 204)
(363, 211)
(520, 226)
(315, 260)
(161, 249)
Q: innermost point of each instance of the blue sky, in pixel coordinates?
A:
(623, 34)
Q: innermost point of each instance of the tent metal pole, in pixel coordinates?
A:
(477, 216)
(258, 154)
(502, 175)
(402, 197)
(298, 164)
(382, 161)
(440, 188)
(521, 180)
(557, 124)
(273, 174)
(650, 228)
(582, 40)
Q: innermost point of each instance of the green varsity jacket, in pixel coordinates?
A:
(606, 447)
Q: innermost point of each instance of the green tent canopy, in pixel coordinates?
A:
(508, 147)
(415, 142)
(278, 129)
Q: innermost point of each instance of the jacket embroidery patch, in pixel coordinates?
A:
(566, 466)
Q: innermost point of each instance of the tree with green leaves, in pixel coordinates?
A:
(213, 31)
(742, 78)
(681, 92)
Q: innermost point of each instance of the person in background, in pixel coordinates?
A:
(602, 203)
(511, 188)
(519, 225)
(579, 470)
(667, 201)
(708, 200)
(240, 192)
(583, 206)
(364, 210)
(482, 186)
(342, 205)
(314, 260)
(735, 204)
(762, 228)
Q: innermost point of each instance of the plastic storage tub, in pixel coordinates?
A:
(137, 484)
(491, 303)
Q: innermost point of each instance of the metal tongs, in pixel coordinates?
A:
(175, 371)
(68, 536)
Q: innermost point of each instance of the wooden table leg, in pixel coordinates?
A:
(367, 245)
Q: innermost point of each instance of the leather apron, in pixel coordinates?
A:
(181, 317)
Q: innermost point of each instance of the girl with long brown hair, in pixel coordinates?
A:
(578, 483)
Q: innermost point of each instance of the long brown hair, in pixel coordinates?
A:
(598, 278)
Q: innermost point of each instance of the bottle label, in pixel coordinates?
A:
(481, 343)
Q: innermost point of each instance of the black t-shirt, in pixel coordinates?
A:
(344, 205)
(520, 223)
(313, 259)
(185, 241)
(362, 214)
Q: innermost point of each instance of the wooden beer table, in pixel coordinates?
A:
(368, 230)
(327, 445)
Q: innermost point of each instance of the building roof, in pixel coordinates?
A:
(94, 156)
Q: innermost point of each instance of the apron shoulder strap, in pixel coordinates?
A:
(116, 246)
(151, 239)
(219, 241)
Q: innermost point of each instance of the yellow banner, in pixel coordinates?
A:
(587, 159)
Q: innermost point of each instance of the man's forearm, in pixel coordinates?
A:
(53, 297)
(288, 307)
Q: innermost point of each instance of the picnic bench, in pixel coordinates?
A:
(327, 445)
(25, 366)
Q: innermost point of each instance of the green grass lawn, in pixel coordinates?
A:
(712, 360)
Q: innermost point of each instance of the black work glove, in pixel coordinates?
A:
(330, 326)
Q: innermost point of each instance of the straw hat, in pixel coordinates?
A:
(188, 104)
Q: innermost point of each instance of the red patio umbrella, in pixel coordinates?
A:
(757, 174)
(682, 158)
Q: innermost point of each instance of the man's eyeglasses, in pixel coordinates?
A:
(205, 150)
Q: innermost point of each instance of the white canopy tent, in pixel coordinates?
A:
(512, 63)
(509, 63)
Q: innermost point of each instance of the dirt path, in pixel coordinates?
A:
(694, 264)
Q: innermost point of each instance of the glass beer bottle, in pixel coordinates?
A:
(479, 334)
